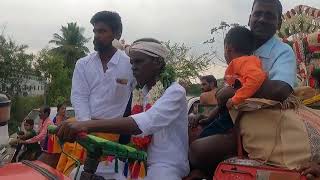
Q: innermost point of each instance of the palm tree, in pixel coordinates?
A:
(70, 44)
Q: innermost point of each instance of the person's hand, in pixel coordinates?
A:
(310, 170)
(229, 103)
(21, 141)
(13, 142)
(194, 120)
(69, 131)
(204, 121)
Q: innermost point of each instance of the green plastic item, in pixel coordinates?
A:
(93, 143)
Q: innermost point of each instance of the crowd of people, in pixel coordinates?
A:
(259, 66)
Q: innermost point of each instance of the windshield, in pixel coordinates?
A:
(34, 114)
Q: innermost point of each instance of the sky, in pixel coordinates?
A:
(33, 22)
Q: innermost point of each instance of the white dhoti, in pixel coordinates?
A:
(106, 170)
(155, 172)
(159, 172)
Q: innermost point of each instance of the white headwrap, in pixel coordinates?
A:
(149, 48)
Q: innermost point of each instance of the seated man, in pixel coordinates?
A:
(166, 120)
(278, 61)
(208, 88)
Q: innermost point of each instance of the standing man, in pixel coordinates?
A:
(208, 88)
(102, 81)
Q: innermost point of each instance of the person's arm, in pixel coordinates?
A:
(27, 135)
(69, 131)
(80, 94)
(280, 90)
(212, 115)
(310, 170)
(252, 75)
(42, 134)
(285, 67)
(160, 115)
(165, 111)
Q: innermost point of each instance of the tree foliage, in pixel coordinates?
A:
(187, 66)
(15, 65)
(57, 64)
(70, 44)
(51, 66)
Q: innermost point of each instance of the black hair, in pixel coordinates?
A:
(276, 2)
(241, 39)
(210, 79)
(29, 121)
(59, 106)
(112, 19)
(46, 109)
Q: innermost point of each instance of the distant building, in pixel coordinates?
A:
(30, 86)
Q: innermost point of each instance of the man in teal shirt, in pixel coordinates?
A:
(278, 58)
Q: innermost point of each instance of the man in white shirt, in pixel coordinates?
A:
(102, 81)
(166, 120)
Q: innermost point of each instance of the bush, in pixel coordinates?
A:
(20, 108)
(193, 90)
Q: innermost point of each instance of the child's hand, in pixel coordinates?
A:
(229, 103)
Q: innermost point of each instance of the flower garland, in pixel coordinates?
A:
(140, 104)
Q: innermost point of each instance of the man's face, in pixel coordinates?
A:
(143, 66)
(103, 37)
(62, 110)
(205, 86)
(264, 20)
(42, 115)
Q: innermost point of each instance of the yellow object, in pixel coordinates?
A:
(65, 164)
(142, 172)
(312, 100)
(55, 146)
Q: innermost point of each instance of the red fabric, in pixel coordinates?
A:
(298, 52)
(232, 170)
(312, 82)
(141, 142)
(135, 170)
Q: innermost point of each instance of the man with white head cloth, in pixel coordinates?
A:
(166, 120)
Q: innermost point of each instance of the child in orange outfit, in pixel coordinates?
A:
(244, 70)
(244, 74)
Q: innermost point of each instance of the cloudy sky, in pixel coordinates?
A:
(33, 22)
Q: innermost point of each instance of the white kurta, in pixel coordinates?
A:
(167, 122)
(98, 94)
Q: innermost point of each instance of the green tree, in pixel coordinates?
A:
(51, 66)
(187, 66)
(15, 65)
(70, 44)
